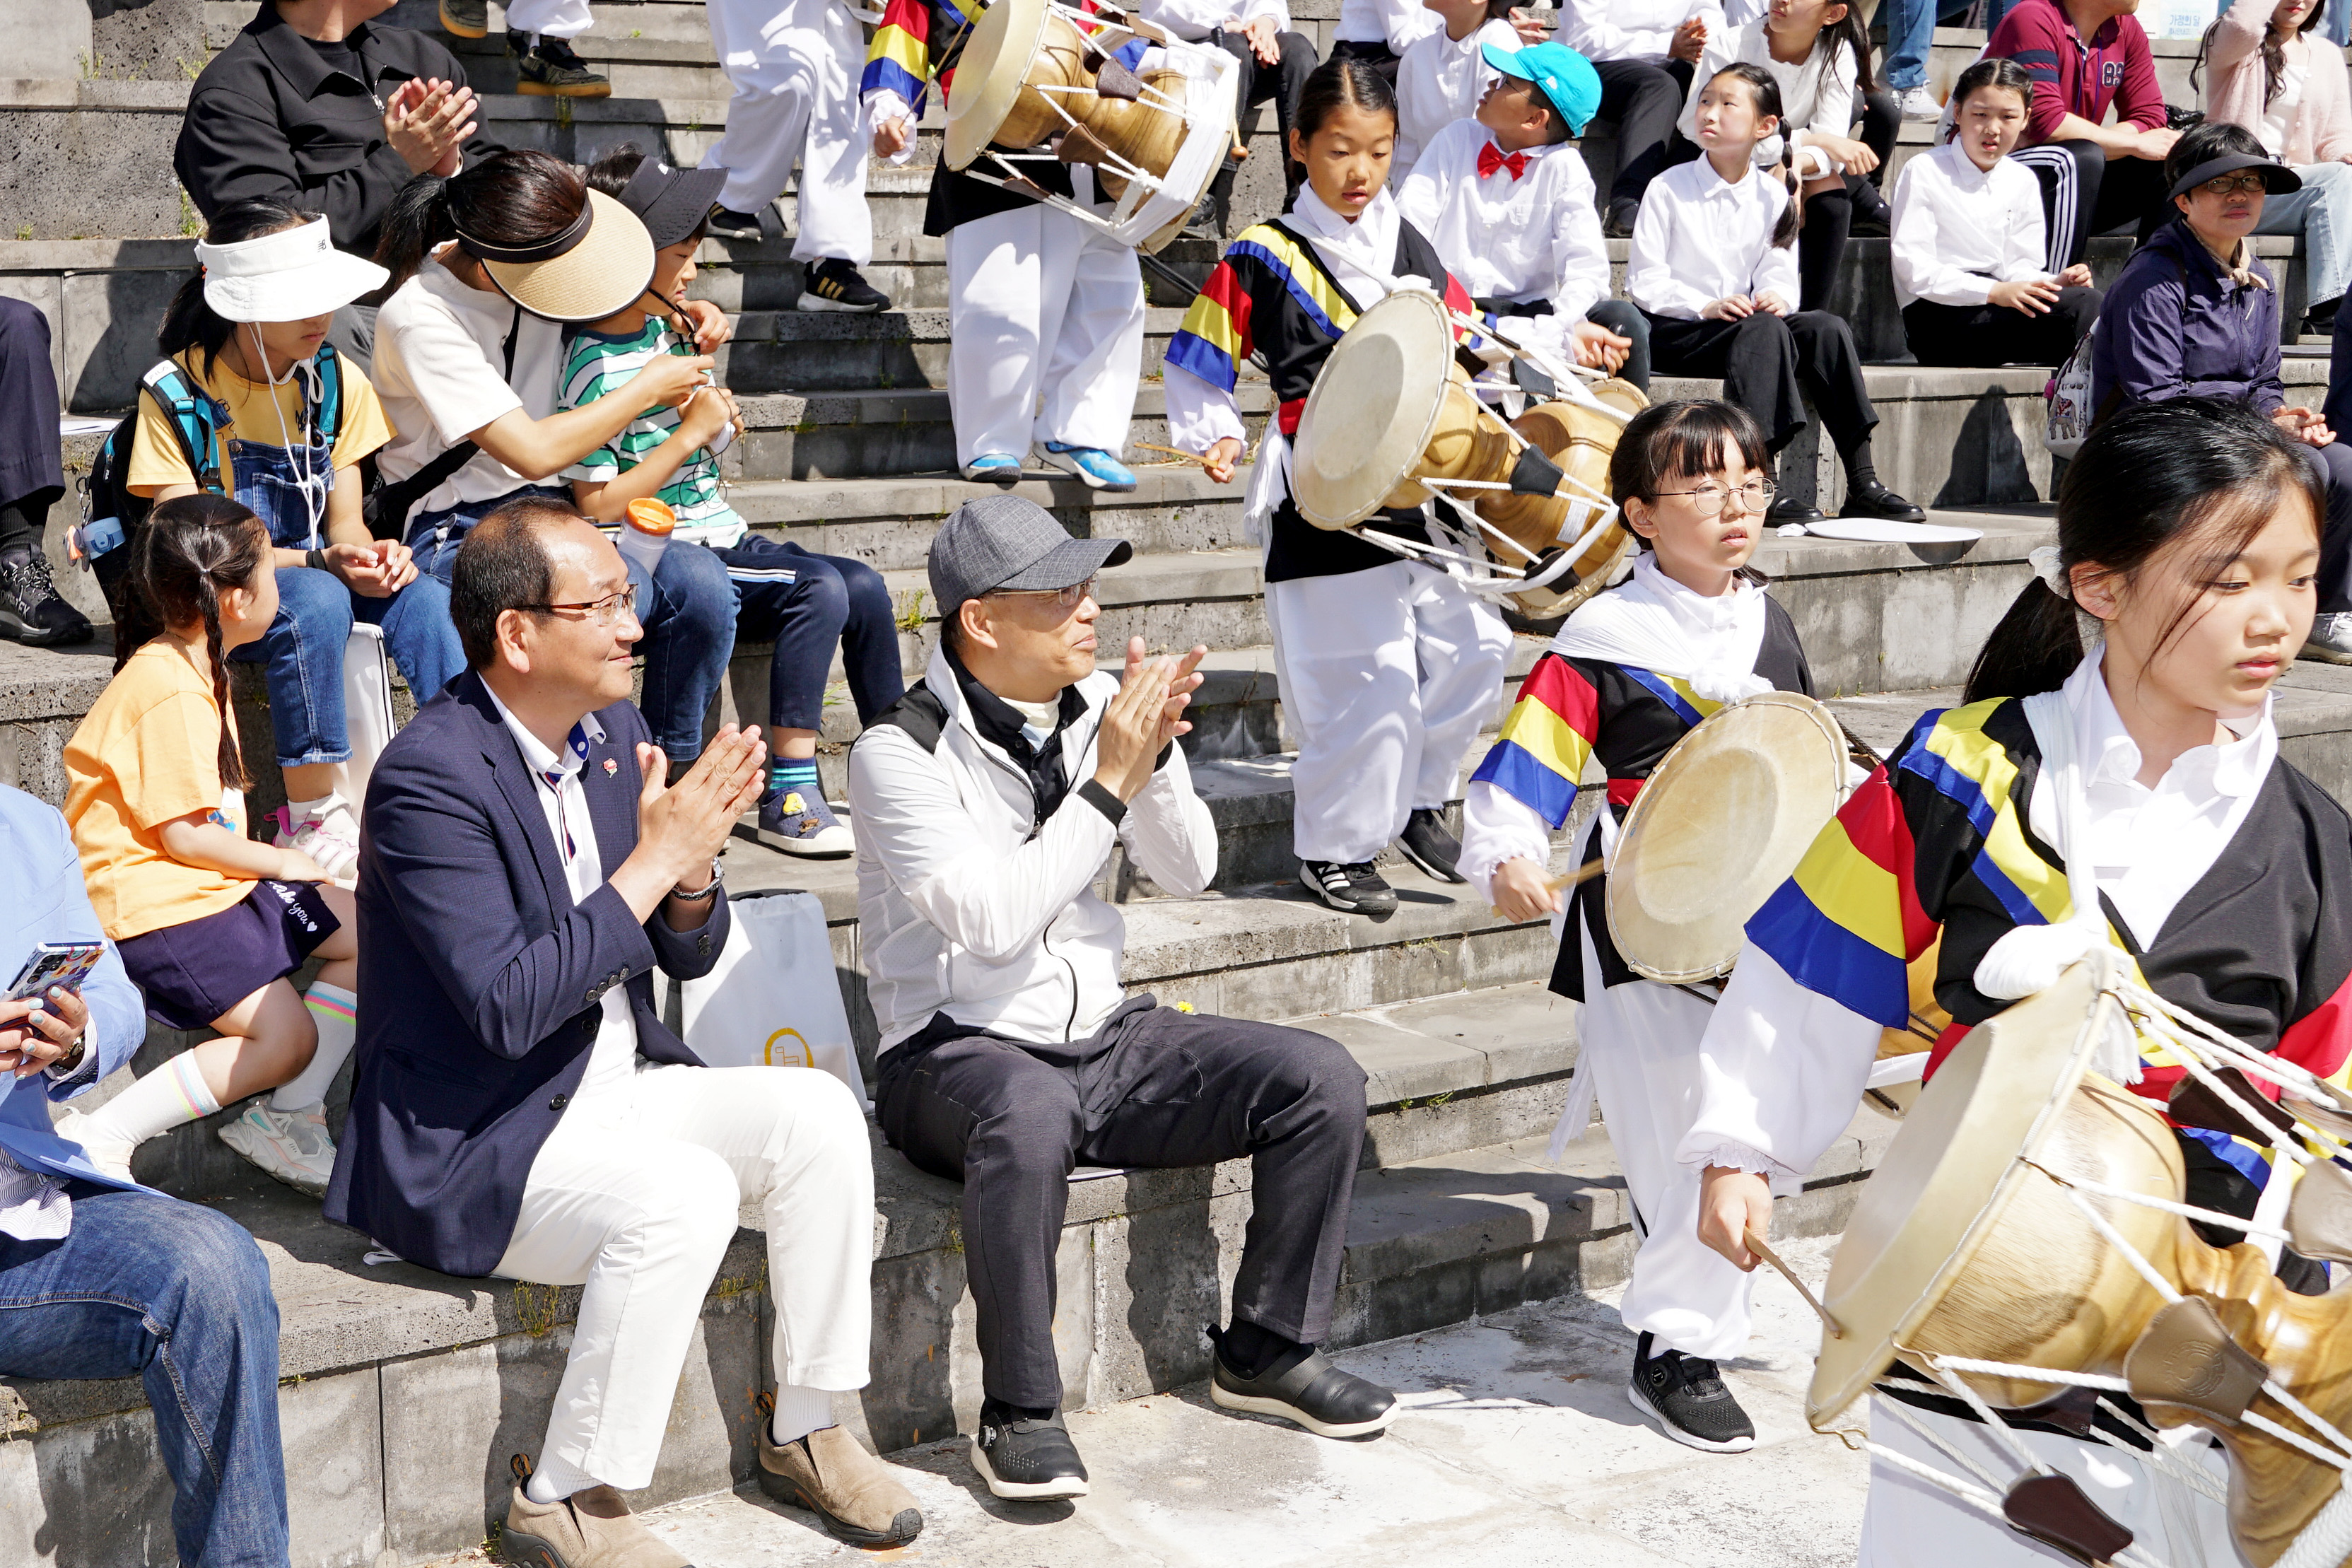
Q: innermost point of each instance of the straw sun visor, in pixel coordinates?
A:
(585, 274)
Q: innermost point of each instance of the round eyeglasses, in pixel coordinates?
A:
(1709, 500)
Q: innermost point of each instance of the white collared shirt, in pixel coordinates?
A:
(1630, 29)
(1196, 19)
(613, 1062)
(1816, 93)
(1535, 237)
(1440, 81)
(1958, 230)
(1399, 23)
(1700, 238)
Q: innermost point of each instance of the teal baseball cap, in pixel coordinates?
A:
(1564, 76)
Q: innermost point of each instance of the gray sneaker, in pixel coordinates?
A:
(2331, 638)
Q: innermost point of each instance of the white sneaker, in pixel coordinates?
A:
(291, 1146)
(1918, 103)
(2331, 638)
(112, 1155)
(331, 835)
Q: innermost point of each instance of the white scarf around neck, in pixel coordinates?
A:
(1654, 623)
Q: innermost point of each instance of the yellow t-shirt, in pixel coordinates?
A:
(155, 460)
(148, 754)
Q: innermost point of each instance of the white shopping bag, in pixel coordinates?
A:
(367, 707)
(771, 1000)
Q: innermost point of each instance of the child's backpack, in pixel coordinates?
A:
(2069, 419)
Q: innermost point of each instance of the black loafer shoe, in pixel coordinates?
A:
(1309, 1391)
(1875, 499)
(1791, 508)
(1026, 1459)
(1427, 845)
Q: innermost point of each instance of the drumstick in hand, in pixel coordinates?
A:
(1576, 878)
(1171, 451)
(1756, 1243)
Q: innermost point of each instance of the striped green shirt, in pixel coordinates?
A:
(593, 365)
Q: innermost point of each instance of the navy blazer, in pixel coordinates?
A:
(481, 983)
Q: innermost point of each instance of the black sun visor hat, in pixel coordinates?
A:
(671, 202)
(2277, 178)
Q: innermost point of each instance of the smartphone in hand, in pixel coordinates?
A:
(57, 963)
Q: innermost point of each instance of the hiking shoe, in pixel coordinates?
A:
(30, 610)
(727, 224)
(803, 824)
(1875, 499)
(1305, 1388)
(112, 1155)
(328, 835)
(1026, 1457)
(1918, 103)
(1356, 890)
(1427, 844)
(1097, 467)
(856, 1496)
(290, 1146)
(548, 68)
(2331, 638)
(466, 18)
(590, 1529)
(834, 284)
(995, 468)
(1685, 1395)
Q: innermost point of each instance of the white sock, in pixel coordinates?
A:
(799, 1412)
(172, 1096)
(556, 1479)
(298, 811)
(334, 1011)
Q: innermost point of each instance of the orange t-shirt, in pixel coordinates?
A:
(147, 753)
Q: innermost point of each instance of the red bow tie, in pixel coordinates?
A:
(1491, 158)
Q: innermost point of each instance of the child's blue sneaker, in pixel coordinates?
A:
(1097, 467)
(997, 467)
(801, 823)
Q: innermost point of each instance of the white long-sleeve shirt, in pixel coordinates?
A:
(1958, 230)
(1816, 93)
(1700, 238)
(1196, 19)
(1785, 1066)
(1630, 29)
(1440, 81)
(1399, 23)
(1534, 237)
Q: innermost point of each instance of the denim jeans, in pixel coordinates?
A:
(303, 649)
(805, 604)
(688, 609)
(1910, 32)
(177, 1297)
(2322, 213)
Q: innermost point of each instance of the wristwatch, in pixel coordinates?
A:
(66, 1066)
(718, 875)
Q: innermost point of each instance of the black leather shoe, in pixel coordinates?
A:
(1427, 845)
(1875, 499)
(1025, 1457)
(1309, 1390)
(1791, 508)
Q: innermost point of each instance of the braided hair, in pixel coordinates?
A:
(1764, 93)
(189, 551)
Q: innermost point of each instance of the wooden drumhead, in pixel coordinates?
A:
(1945, 1182)
(989, 74)
(1372, 410)
(1719, 826)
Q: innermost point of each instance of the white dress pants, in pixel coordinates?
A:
(793, 65)
(1386, 677)
(635, 1196)
(547, 18)
(1640, 1042)
(1040, 303)
(1908, 1522)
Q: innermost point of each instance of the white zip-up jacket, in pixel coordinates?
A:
(968, 905)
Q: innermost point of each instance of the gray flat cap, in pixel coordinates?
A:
(1004, 541)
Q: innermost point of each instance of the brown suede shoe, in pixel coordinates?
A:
(829, 1473)
(591, 1529)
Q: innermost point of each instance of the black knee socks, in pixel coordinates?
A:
(1860, 474)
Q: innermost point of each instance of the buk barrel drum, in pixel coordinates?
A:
(1721, 823)
(1037, 74)
(1392, 419)
(1971, 1241)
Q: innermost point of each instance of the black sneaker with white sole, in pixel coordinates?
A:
(1024, 1456)
(1427, 844)
(550, 67)
(834, 284)
(728, 223)
(30, 608)
(1356, 890)
(1305, 1388)
(1686, 1395)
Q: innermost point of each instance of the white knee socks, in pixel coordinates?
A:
(333, 1010)
(172, 1094)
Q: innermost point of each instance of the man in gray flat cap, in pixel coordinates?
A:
(987, 803)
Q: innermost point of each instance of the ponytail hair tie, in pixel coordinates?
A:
(2046, 565)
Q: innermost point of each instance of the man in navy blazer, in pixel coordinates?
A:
(518, 1108)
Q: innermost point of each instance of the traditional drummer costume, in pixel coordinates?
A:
(1039, 302)
(1388, 667)
(1630, 674)
(2229, 886)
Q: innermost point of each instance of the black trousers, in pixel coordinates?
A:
(1155, 1088)
(2084, 191)
(32, 477)
(1644, 101)
(1622, 317)
(1769, 363)
(1380, 56)
(1995, 334)
(1279, 83)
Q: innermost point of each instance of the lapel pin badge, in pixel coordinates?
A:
(611, 767)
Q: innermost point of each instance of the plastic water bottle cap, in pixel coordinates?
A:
(651, 515)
